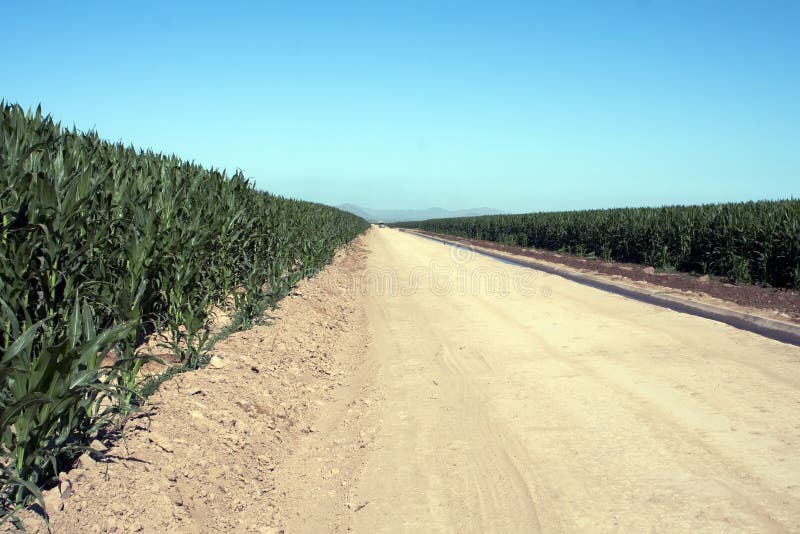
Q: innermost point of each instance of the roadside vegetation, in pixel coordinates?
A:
(100, 246)
(748, 242)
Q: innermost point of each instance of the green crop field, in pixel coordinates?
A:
(746, 242)
(101, 244)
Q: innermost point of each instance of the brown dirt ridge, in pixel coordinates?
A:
(784, 303)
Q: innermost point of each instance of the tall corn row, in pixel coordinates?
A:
(101, 244)
(746, 242)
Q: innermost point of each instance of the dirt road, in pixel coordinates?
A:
(413, 387)
(496, 399)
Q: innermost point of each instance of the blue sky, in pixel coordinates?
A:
(521, 106)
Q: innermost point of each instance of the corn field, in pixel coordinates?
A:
(748, 242)
(101, 245)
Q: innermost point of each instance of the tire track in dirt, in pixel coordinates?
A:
(650, 410)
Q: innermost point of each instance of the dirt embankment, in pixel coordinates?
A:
(201, 456)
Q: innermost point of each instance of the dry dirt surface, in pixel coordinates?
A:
(513, 401)
(416, 387)
(201, 456)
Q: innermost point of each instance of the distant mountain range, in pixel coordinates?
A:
(373, 215)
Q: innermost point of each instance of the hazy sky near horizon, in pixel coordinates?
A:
(520, 106)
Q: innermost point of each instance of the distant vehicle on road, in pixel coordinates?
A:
(381, 225)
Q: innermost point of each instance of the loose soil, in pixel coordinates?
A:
(202, 454)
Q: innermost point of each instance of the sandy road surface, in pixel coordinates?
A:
(412, 387)
(511, 401)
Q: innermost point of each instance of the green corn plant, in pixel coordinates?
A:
(102, 245)
(744, 242)
(54, 396)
